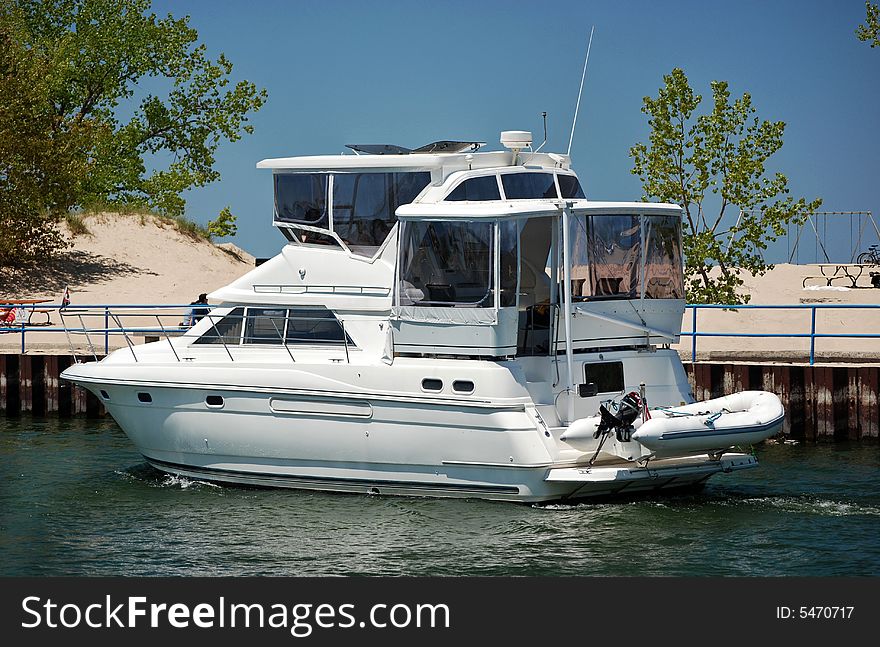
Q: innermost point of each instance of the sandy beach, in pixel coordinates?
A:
(141, 259)
(125, 259)
(131, 259)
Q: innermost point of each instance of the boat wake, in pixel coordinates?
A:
(184, 483)
(810, 505)
(153, 478)
(784, 504)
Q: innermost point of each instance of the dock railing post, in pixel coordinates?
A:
(694, 335)
(106, 330)
(812, 335)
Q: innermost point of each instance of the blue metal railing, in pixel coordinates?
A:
(96, 310)
(813, 335)
(106, 310)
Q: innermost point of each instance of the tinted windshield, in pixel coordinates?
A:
(447, 263)
(364, 205)
(627, 256)
(528, 186)
(476, 188)
(301, 198)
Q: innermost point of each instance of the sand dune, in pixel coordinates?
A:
(131, 259)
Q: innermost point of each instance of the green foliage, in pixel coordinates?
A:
(188, 228)
(69, 69)
(715, 163)
(40, 164)
(224, 225)
(870, 31)
(76, 224)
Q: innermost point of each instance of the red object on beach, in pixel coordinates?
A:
(8, 317)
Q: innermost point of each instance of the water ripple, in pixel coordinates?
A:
(814, 506)
(77, 499)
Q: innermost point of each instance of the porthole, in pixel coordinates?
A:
(145, 397)
(432, 384)
(463, 386)
(105, 395)
(214, 400)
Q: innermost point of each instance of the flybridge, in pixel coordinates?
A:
(440, 157)
(351, 200)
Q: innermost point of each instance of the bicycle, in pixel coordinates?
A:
(871, 257)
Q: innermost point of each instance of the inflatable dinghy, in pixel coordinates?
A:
(710, 426)
(742, 418)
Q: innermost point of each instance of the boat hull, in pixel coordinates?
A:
(520, 485)
(369, 445)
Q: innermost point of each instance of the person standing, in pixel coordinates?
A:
(195, 313)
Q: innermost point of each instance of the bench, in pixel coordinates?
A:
(848, 271)
(47, 313)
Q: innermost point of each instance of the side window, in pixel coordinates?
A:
(446, 263)
(408, 185)
(570, 187)
(663, 257)
(264, 326)
(302, 198)
(364, 205)
(528, 186)
(224, 331)
(314, 326)
(608, 376)
(476, 188)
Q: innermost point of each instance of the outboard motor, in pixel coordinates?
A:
(621, 418)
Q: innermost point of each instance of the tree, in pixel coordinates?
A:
(92, 57)
(716, 163)
(870, 31)
(223, 225)
(41, 165)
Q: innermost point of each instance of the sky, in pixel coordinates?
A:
(412, 72)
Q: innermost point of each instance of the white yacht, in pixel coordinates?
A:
(441, 321)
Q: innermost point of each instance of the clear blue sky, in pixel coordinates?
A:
(410, 72)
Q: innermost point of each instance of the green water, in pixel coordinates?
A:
(76, 499)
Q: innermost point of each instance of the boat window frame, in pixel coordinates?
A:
(312, 175)
(391, 191)
(605, 374)
(472, 176)
(577, 179)
(250, 322)
(213, 329)
(243, 341)
(638, 272)
(496, 282)
(528, 171)
(488, 299)
(362, 252)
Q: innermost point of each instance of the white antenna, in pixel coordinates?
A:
(581, 91)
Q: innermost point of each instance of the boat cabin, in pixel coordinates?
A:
(478, 279)
(488, 255)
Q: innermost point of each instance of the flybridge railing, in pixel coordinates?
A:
(171, 321)
(694, 333)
